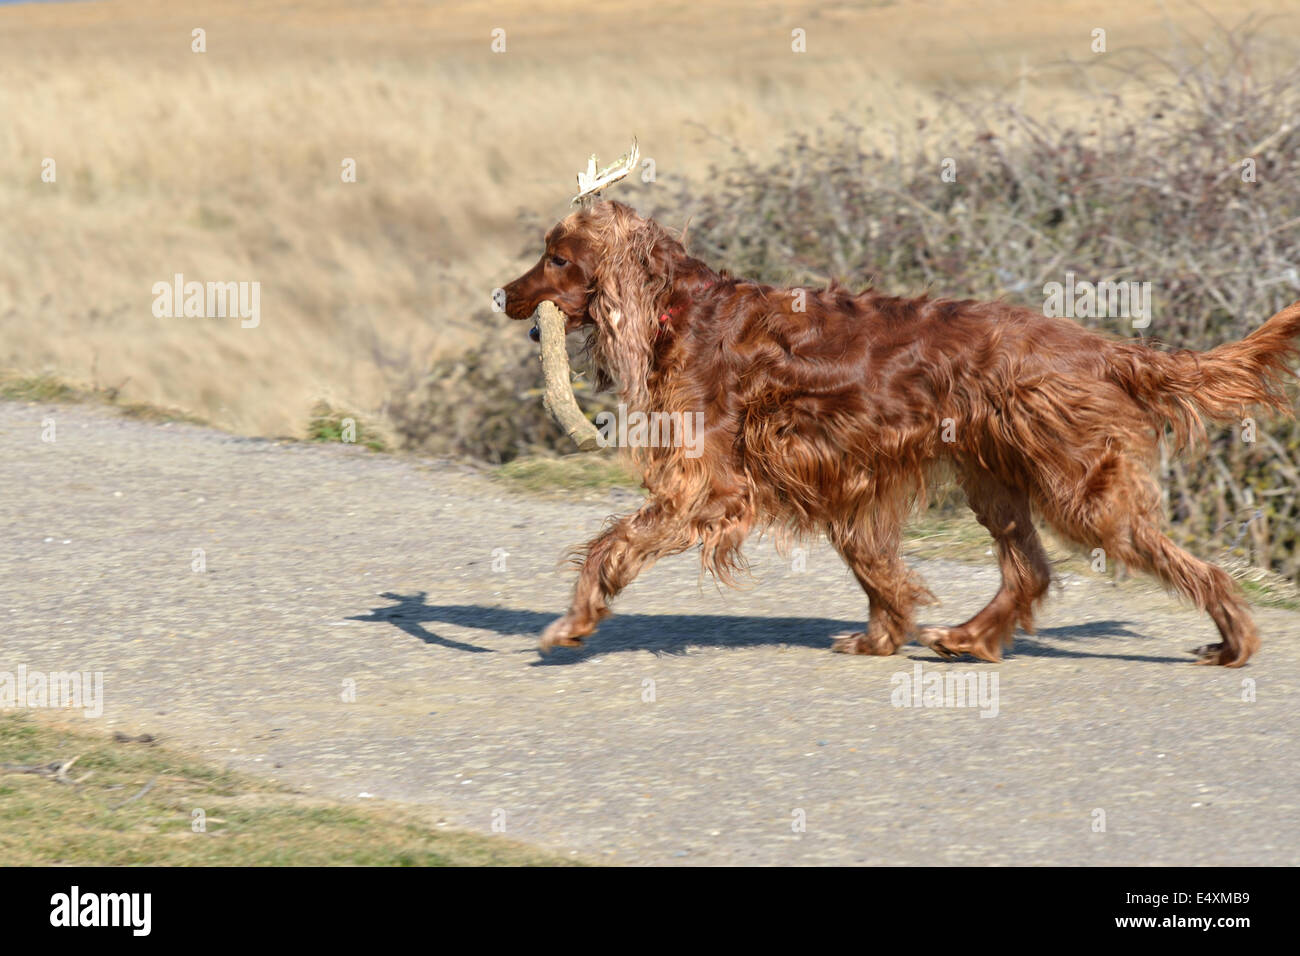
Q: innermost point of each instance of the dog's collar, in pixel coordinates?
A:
(666, 317)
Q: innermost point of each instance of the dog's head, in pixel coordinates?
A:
(565, 274)
(609, 270)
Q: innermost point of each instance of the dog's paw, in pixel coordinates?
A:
(560, 633)
(861, 642)
(1221, 655)
(950, 642)
(934, 637)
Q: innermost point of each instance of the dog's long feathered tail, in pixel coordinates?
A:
(1185, 387)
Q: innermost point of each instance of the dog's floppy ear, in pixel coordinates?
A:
(631, 283)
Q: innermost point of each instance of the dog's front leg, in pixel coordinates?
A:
(610, 562)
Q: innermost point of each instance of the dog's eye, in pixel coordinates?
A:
(559, 261)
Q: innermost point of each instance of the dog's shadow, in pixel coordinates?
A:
(678, 633)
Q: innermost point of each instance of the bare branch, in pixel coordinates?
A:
(558, 398)
(592, 181)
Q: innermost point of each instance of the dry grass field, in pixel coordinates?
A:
(225, 165)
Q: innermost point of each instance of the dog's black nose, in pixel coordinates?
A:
(535, 334)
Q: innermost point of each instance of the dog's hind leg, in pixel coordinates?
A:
(893, 591)
(1121, 515)
(1209, 587)
(1026, 573)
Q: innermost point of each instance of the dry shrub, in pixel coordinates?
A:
(485, 403)
(1146, 189)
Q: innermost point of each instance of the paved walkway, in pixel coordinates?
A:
(696, 727)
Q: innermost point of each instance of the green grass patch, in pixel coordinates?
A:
(1270, 591)
(46, 389)
(946, 534)
(130, 803)
(38, 388)
(583, 472)
(329, 424)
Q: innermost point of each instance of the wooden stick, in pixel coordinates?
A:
(558, 397)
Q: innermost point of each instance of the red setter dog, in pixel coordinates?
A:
(828, 412)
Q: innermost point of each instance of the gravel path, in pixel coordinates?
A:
(696, 726)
